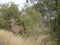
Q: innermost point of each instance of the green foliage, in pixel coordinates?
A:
(31, 19)
(2, 23)
(13, 10)
(19, 22)
(52, 5)
(35, 15)
(7, 12)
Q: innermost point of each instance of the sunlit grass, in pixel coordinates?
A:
(9, 38)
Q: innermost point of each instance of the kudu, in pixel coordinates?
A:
(16, 28)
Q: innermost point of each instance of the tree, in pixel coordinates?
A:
(35, 15)
(3, 15)
(9, 11)
(53, 8)
(31, 20)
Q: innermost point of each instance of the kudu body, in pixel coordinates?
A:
(16, 28)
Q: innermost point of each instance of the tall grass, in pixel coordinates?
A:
(8, 38)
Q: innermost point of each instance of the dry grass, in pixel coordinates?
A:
(9, 39)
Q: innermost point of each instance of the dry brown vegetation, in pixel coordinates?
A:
(8, 38)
